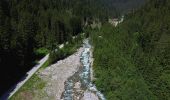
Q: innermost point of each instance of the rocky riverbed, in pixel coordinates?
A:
(55, 75)
(79, 86)
(70, 79)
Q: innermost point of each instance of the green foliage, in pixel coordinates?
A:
(41, 52)
(67, 50)
(114, 69)
(27, 25)
(34, 85)
(132, 60)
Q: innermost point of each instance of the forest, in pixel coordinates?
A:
(29, 29)
(132, 61)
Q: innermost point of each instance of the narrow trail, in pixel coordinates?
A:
(29, 74)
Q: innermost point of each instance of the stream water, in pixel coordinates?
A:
(80, 82)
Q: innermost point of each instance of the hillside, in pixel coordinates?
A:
(29, 29)
(132, 61)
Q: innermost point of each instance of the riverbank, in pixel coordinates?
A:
(68, 79)
(29, 82)
(55, 76)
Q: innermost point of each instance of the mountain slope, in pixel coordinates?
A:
(132, 60)
(31, 28)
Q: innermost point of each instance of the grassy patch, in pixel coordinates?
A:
(29, 89)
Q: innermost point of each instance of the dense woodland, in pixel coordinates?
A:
(31, 28)
(132, 61)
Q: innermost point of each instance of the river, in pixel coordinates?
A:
(80, 84)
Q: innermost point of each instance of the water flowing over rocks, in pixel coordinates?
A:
(79, 86)
(71, 78)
